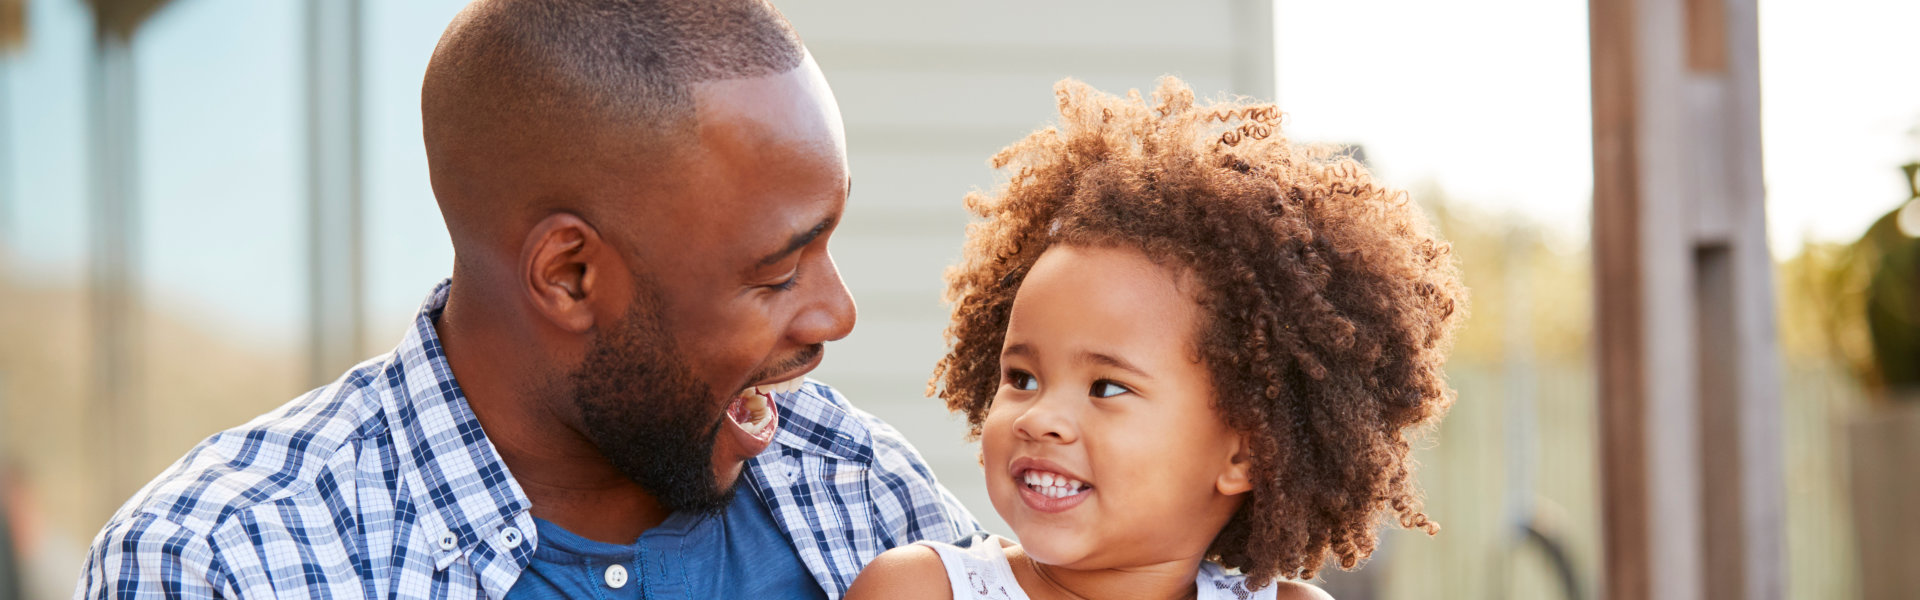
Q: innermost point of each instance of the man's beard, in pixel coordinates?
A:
(648, 414)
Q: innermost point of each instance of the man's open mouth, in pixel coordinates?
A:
(754, 410)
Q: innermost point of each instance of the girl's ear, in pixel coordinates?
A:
(1237, 478)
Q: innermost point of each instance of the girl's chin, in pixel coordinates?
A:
(1055, 547)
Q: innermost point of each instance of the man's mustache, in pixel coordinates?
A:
(798, 360)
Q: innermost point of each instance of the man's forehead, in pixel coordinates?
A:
(791, 108)
(766, 167)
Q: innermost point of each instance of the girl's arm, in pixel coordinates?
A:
(910, 572)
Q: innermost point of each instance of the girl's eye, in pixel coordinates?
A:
(1107, 389)
(1022, 380)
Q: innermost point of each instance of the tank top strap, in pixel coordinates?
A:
(979, 571)
(1216, 583)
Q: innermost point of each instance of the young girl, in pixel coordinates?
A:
(1192, 354)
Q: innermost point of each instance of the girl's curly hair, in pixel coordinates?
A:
(1328, 302)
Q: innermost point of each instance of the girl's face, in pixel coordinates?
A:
(1102, 447)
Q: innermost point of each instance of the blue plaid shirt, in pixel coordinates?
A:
(383, 485)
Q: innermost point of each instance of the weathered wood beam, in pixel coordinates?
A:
(1690, 414)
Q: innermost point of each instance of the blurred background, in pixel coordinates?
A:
(208, 207)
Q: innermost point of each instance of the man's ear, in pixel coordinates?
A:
(1237, 478)
(561, 264)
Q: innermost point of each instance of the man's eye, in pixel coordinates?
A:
(1107, 389)
(1022, 380)
(793, 279)
(789, 284)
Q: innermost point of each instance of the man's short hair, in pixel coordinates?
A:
(627, 59)
(520, 84)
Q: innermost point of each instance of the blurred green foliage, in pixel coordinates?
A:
(1857, 304)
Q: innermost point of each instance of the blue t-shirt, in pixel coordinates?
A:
(740, 553)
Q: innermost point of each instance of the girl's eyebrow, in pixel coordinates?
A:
(1113, 361)
(1018, 349)
(1086, 356)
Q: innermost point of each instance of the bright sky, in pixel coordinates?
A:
(1489, 98)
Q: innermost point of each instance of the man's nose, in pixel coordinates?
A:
(830, 314)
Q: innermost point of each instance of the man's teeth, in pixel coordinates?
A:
(783, 387)
(1054, 485)
(755, 415)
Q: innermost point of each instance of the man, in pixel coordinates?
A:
(606, 399)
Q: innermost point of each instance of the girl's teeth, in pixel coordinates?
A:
(1053, 485)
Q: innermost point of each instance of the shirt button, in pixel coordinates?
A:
(616, 577)
(448, 542)
(511, 537)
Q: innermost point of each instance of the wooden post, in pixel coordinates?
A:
(114, 398)
(1691, 470)
(335, 248)
(114, 402)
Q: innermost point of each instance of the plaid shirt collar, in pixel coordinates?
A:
(459, 483)
(814, 426)
(462, 485)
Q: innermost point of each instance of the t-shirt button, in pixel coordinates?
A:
(616, 577)
(511, 537)
(448, 541)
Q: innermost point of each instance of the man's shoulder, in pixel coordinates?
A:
(280, 457)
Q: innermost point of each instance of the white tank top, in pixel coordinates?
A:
(981, 572)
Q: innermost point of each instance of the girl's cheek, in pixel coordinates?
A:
(999, 420)
(995, 430)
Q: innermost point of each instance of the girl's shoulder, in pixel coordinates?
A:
(975, 568)
(908, 571)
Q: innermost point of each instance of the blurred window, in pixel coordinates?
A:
(407, 248)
